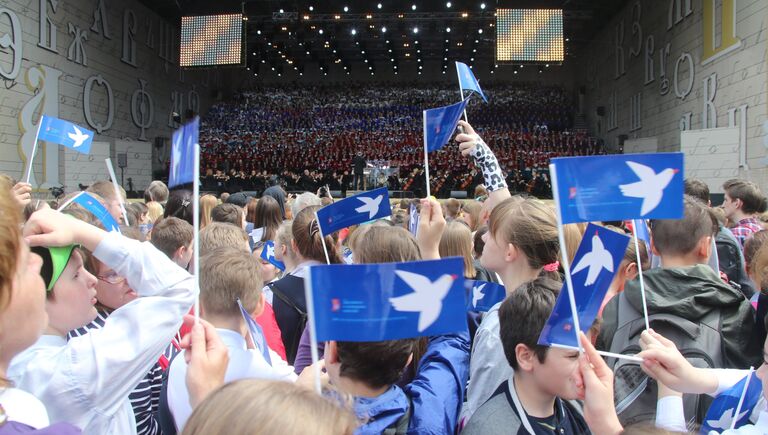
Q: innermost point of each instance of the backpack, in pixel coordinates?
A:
(635, 393)
(731, 262)
(290, 312)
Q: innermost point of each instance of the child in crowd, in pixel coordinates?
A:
(112, 202)
(174, 237)
(228, 275)
(87, 380)
(535, 399)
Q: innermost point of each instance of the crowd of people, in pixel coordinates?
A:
(309, 136)
(98, 334)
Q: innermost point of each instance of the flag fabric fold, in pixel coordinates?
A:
(268, 254)
(467, 80)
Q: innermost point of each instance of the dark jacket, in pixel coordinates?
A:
(691, 292)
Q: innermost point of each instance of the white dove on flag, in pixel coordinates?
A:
(597, 259)
(370, 205)
(176, 151)
(477, 294)
(426, 299)
(650, 187)
(78, 137)
(270, 251)
(724, 422)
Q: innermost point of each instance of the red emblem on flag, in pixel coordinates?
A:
(572, 193)
(567, 327)
(335, 304)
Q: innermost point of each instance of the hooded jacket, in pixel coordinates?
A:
(691, 292)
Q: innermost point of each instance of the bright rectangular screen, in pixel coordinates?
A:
(529, 35)
(209, 40)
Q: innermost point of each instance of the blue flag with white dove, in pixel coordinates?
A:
(376, 302)
(618, 187)
(268, 254)
(482, 295)
(440, 124)
(594, 266)
(467, 80)
(65, 133)
(183, 153)
(91, 204)
(413, 219)
(356, 209)
(722, 411)
(257, 334)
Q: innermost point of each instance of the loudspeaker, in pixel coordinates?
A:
(122, 160)
(459, 194)
(159, 141)
(600, 110)
(335, 193)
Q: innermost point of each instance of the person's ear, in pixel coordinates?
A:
(525, 357)
(511, 253)
(704, 247)
(630, 271)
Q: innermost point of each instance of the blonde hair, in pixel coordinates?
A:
(473, 209)
(154, 211)
(284, 234)
(259, 407)
(10, 245)
(226, 275)
(218, 234)
(456, 241)
(207, 203)
(383, 244)
(106, 190)
(452, 208)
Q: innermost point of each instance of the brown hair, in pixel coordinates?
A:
(170, 234)
(226, 274)
(452, 208)
(156, 191)
(250, 209)
(456, 241)
(306, 235)
(260, 407)
(697, 189)
(680, 236)
(218, 234)
(207, 203)
(756, 258)
(383, 244)
(10, 245)
(268, 216)
(106, 190)
(752, 199)
(228, 213)
(473, 209)
(480, 190)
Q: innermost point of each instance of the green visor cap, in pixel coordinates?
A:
(55, 259)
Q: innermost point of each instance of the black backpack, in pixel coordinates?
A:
(635, 393)
(731, 263)
(290, 307)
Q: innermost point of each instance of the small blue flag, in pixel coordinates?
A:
(268, 254)
(618, 187)
(356, 209)
(376, 302)
(467, 80)
(92, 205)
(413, 219)
(65, 133)
(594, 266)
(257, 334)
(347, 256)
(183, 153)
(440, 124)
(483, 295)
(723, 409)
(641, 231)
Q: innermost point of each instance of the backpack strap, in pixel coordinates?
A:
(164, 416)
(283, 297)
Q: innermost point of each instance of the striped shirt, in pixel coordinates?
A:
(745, 228)
(145, 398)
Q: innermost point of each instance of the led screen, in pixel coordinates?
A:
(209, 40)
(529, 35)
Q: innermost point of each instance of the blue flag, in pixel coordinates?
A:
(723, 409)
(356, 209)
(482, 295)
(376, 302)
(594, 266)
(183, 153)
(467, 80)
(268, 254)
(257, 334)
(65, 133)
(618, 187)
(92, 205)
(440, 124)
(413, 219)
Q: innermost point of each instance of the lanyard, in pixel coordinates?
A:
(521, 411)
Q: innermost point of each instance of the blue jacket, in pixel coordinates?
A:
(436, 392)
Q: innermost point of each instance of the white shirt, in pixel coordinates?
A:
(87, 380)
(24, 408)
(243, 363)
(488, 367)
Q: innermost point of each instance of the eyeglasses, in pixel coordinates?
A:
(112, 278)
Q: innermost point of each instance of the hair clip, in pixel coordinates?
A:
(314, 228)
(552, 267)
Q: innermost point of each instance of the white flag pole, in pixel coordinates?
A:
(322, 239)
(196, 227)
(34, 151)
(461, 90)
(600, 352)
(741, 399)
(308, 294)
(564, 254)
(117, 189)
(426, 152)
(69, 201)
(635, 222)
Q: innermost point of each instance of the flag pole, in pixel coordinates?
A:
(117, 189)
(601, 353)
(322, 239)
(34, 150)
(564, 254)
(741, 399)
(426, 152)
(461, 91)
(70, 201)
(635, 222)
(308, 294)
(196, 227)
